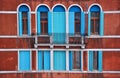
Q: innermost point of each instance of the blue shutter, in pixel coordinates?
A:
(29, 28)
(20, 23)
(101, 34)
(40, 60)
(89, 23)
(100, 61)
(59, 60)
(24, 60)
(49, 23)
(70, 60)
(46, 60)
(82, 23)
(90, 60)
(38, 23)
(71, 23)
(59, 27)
(101, 23)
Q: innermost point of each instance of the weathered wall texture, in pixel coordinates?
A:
(8, 26)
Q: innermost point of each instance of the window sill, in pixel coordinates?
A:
(75, 69)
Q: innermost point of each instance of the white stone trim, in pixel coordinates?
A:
(106, 72)
(92, 36)
(88, 60)
(67, 60)
(8, 12)
(37, 60)
(101, 49)
(112, 12)
(51, 60)
(75, 5)
(60, 5)
(81, 60)
(34, 12)
(42, 5)
(93, 5)
(18, 59)
(18, 17)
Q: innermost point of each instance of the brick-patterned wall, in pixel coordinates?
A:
(8, 26)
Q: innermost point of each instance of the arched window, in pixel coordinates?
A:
(24, 20)
(59, 36)
(95, 20)
(76, 20)
(43, 20)
(95, 27)
(76, 27)
(59, 24)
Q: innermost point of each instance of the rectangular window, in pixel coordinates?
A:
(24, 23)
(24, 60)
(43, 60)
(77, 22)
(44, 23)
(59, 58)
(95, 22)
(76, 60)
(95, 60)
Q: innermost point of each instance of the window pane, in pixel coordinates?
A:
(77, 15)
(77, 28)
(92, 26)
(77, 22)
(95, 22)
(44, 16)
(44, 22)
(95, 60)
(97, 26)
(95, 14)
(76, 60)
(24, 22)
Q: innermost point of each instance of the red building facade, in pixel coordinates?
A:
(11, 43)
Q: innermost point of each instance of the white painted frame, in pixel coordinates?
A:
(94, 5)
(106, 72)
(18, 52)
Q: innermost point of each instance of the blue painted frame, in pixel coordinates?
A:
(71, 60)
(59, 25)
(23, 8)
(59, 58)
(72, 10)
(24, 60)
(96, 8)
(44, 8)
(45, 60)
